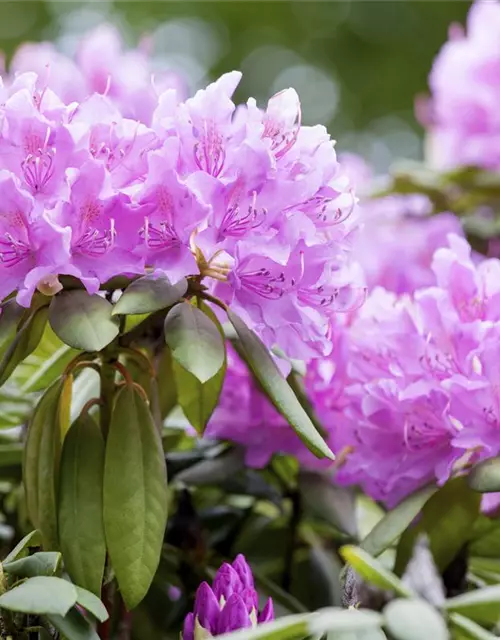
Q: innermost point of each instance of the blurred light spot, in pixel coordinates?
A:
(17, 18)
(262, 66)
(319, 93)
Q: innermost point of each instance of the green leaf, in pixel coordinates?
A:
(310, 624)
(33, 539)
(48, 369)
(83, 321)
(41, 459)
(371, 570)
(447, 518)
(135, 501)
(10, 318)
(167, 392)
(40, 595)
(392, 525)
(26, 340)
(467, 629)
(149, 294)
(92, 604)
(329, 501)
(414, 620)
(11, 454)
(480, 605)
(195, 341)
(81, 527)
(73, 626)
(43, 563)
(485, 476)
(276, 387)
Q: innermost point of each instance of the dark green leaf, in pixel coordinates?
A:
(33, 539)
(328, 501)
(447, 519)
(11, 454)
(277, 388)
(371, 570)
(213, 471)
(81, 527)
(25, 342)
(148, 294)
(41, 459)
(466, 629)
(195, 341)
(135, 502)
(395, 522)
(481, 605)
(414, 620)
(485, 476)
(10, 317)
(73, 626)
(83, 321)
(92, 604)
(41, 595)
(43, 563)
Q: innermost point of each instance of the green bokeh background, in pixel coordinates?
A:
(357, 64)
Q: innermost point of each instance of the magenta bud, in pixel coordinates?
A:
(206, 608)
(188, 628)
(226, 582)
(267, 612)
(250, 599)
(242, 568)
(234, 615)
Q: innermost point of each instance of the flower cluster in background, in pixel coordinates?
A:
(462, 114)
(98, 182)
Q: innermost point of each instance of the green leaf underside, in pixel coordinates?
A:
(91, 603)
(73, 626)
(276, 387)
(40, 595)
(149, 294)
(371, 570)
(43, 563)
(195, 341)
(32, 539)
(135, 502)
(408, 619)
(469, 629)
(83, 321)
(81, 524)
(480, 605)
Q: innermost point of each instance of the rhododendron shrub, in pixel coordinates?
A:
(241, 368)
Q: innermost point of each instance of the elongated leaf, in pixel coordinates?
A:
(167, 391)
(195, 341)
(148, 294)
(41, 459)
(48, 369)
(11, 454)
(414, 620)
(310, 624)
(371, 570)
(395, 522)
(277, 388)
(73, 626)
(135, 502)
(481, 605)
(25, 342)
(83, 321)
(43, 563)
(10, 317)
(468, 629)
(485, 476)
(92, 604)
(447, 519)
(41, 595)
(81, 527)
(33, 539)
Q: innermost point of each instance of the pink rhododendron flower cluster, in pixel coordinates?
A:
(463, 115)
(246, 199)
(409, 394)
(399, 236)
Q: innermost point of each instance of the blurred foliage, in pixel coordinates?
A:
(357, 64)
